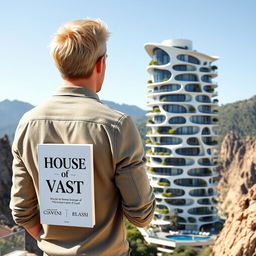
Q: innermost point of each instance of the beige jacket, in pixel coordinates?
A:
(74, 115)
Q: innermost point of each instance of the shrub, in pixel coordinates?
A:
(167, 194)
(163, 99)
(162, 210)
(150, 81)
(148, 141)
(150, 121)
(215, 119)
(214, 67)
(165, 79)
(157, 143)
(153, 62)
(191, 109)
(156, 109)
(149, 151)
(161, 183)
(216, 100)
(172, 131)
(151, 169)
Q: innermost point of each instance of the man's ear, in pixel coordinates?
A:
(100, 64)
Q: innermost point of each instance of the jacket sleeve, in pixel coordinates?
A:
(138, 201)
(24, 203)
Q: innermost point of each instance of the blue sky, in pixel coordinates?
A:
(219, 28)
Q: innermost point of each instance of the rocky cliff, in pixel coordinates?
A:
(5, 188)
(238, 237)
(5, 181)
(237, 170)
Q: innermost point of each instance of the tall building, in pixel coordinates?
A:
(181, 137)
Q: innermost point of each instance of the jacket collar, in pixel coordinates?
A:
(76, 91)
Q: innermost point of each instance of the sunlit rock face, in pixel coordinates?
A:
(238, 237)
(237, 170)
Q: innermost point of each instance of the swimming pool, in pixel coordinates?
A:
(188, 238)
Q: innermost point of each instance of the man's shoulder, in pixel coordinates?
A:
(83, 110)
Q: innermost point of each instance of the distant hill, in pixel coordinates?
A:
(239, 117)
(12, 111)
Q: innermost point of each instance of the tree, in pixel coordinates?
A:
(137, 243)
(174, 223)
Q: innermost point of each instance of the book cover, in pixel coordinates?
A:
(66, 184)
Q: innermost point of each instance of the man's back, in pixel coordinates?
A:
(74, 115)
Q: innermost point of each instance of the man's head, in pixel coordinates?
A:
(77, 46)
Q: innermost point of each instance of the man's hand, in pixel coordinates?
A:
(34, 231)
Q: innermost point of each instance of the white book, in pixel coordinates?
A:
(66, 184)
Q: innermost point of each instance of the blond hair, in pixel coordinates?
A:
(77, 46)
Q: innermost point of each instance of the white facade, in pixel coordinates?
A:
(181, 140)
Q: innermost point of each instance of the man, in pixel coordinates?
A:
(75, 115)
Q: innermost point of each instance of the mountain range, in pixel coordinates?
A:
(12, 111)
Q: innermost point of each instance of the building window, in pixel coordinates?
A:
(177, 120)
(188, 58)
(170, 140)
(206, 79)
(174, 109)
(187, 130)
(203, 98)
(205, 109)
(204, 69)
(169, 87)
(193, 88)
(186, 77)
(173, 98)
(183, 68)
(161, 75)
(193, 141)
(201, 119)
(188, 151)
(160, 56)
(159, 119)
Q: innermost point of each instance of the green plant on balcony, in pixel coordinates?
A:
(167, 194)
(191, 219)
(172, 131)
(214, 67)
(215, 100)
(163, 99)
(156, 109)
(163, 162)
(215, 111)
(153, 62)
(215, 119)
(161, 153)
(162, 210)
(150, 81)
(214, 142)
(157, 143)
(192, 109)
(148, 141)
(150, 111)
(165, 79)
(210, 90)
(197, 89)
(202, 183)
(158, 130)
(149, 151)
(149, 132)
(151, 169)
(162, 183)
(150, 121)
(167, 153)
